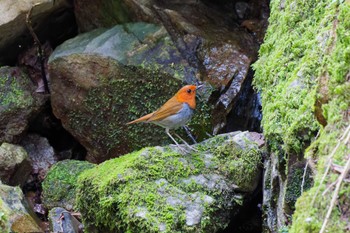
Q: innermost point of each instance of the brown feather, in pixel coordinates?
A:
(141, 119)
(170, 108)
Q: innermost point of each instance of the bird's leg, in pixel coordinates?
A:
(167, 132)
(189, 134)
(192, 148)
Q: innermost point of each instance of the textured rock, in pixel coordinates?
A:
(62, 221)
(60, 183)
(18, 103)
(159, 190)
(303, 75)
(105, 78)
(207, 35)
(15, 166)
(13, 30)
(109, 13)
(41, 154)
(15, 215)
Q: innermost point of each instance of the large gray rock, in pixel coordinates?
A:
(161, 190)
(15, 165)
(207, 36)
(15, 214)
(105, 78)
(18, 103)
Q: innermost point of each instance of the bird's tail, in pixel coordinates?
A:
(141, 119)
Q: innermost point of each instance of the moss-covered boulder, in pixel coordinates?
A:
(15, 214)
(105, 78)
(303, 75)
(18, 103)
(161, 190)
(59, 186)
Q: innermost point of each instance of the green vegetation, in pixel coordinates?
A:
(61, 181)
(12, 93)
(303, 75)
(150, 189)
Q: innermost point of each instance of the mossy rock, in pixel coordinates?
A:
(105, 78)
(158, 189)
(15, 213)
(303, 75)
(18, 103)
(59, 186)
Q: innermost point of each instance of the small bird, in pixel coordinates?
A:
(176, 112)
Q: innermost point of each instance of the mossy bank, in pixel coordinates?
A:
(303, 74)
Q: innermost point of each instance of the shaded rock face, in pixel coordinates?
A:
(16, 212)
(40, 153)
(303, 75)
(48, 18)
(18, 103)
(15, 165)
(159, 190)
(105, 78)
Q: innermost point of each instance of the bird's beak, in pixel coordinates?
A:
(200, 86)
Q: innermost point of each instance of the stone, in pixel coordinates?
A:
(18, 103)
(14, 34)
(62, 221)
(59, 186)
(15, 214)
(159, 189)
(15, 165)
(105, 78)
(41, 154)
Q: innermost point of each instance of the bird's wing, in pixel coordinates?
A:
(171, 107)
(141, 119)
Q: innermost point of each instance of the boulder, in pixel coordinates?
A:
(15, 165)
(59, 186)
(14, 35)
(15, 214)
(105, 78)
(158, 189)
(18, 103)
(206, 34)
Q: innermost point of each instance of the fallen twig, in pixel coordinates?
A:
(337, 187)
(40, 50)
(329, 162)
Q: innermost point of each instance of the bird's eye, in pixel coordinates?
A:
(189, 91)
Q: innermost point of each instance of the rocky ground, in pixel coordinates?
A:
(72, 73)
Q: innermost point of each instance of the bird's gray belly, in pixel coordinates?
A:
(178, 119)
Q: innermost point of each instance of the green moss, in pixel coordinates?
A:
(60, 183)
(3, 218)
(305, 58)
(131, 193)
(12, 93)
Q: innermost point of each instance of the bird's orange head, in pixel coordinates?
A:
(187, 94)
